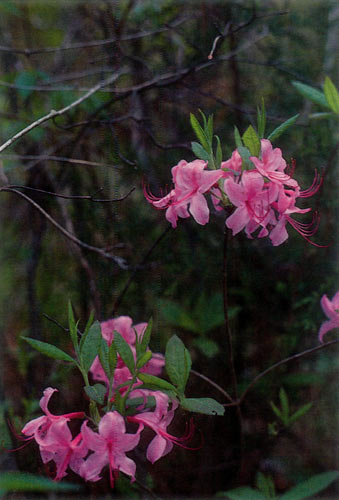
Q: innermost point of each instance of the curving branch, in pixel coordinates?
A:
(53, 113)
(118, 260)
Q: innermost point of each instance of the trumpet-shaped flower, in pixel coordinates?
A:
(39, 428)
(158, 421)
(191, 181)
(109, 447)
(331, 309)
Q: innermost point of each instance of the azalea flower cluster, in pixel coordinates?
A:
(91, 450)
(263, 195)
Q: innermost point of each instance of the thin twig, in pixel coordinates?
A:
(283, 361)
(72, 197)
(62, 159)
(139, 266)
(214, 384)
(118, 260)
(53, 113)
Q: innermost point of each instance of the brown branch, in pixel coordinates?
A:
(53, 113)
(58, 159)
(118, 260)
(72, 197)
(214, 384)
(283, 361)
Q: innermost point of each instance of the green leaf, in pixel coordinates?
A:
(199, 151)
(208, 406)
(207, 346)
(90, 346)
(146, 336)
(261, 119)
(25, 79)
(282, 128)
(87, 327)
(199, 132)
(22, 481)
(176, 315)
(96, 392)
(311, 93)
(178, 362)
(299, 413)
(285, 409)
(209, 129)
(155, 381)
(125, 351)
(237, 138)
(310, 487)
(331, 94)
(49, 350)
(73, 327)
(104, 357)
(245, 154)
(242, 493)
(251, 141)
(276, 410)
(144, 359)
(218, 155)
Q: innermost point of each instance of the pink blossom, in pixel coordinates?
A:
(39, 428)
(331, 309)
(63, 449)
(123, 325)
(191, 181)
(109, 447)
(158, 421)
(272, 165)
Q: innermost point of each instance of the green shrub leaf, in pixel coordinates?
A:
(49, 350)
(208, 406)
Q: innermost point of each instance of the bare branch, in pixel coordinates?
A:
(59, 159)
(118, 260)
(72, 197)
(220, 389)
(53, 113)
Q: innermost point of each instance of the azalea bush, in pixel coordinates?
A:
(169, 206)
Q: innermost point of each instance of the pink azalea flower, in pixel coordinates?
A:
(272, 165)
(123, 325)
(109, 447)
(253, 199)
(63, 449)
(158, 421)
(331, 309)
(191, 181)
(39, 428)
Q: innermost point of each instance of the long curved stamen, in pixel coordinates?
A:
(316, 184)
(179, 440)
(306, 230)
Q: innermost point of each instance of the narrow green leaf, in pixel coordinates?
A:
(49, 350)
(299, 413)
(23, 481)
(199, 151)
(331, 94)
(144, 359)
(146, 336)
(320, 116)
(178, 363)
(261, 119)
(311, 93)
(282, 128)
(245, 155)
(73, 327)
(285, 408)
(155, 381)
(209, 129)
(198, 131)
(251, 141)
(112, 358)
(125, 351)
(90, 347)
(276, 410)
(218, 155)
(242, 493)
(310, 487)
(237, 138)
(208, 406)
(87, 327)
(96, 392)
(104, 357)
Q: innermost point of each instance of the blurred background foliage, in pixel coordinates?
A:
(138, 128)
